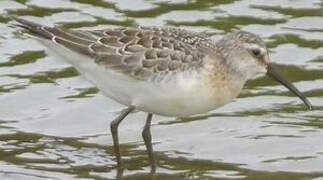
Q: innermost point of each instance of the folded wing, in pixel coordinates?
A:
(139, 52)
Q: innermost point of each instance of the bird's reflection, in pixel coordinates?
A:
(120, 172)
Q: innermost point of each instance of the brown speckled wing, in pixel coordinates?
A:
(139, 52)
(145, 53)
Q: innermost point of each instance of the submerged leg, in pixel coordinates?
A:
(114, 131)
(147, 139)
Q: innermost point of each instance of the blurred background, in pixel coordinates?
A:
(55, 125)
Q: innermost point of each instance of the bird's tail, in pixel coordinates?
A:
(34, 28)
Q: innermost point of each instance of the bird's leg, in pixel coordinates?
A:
(119, 175)
(147, 139)
(114, 131)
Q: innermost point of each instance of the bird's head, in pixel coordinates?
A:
(247, 56)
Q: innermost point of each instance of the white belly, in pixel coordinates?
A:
(187, 97)
(184, 96)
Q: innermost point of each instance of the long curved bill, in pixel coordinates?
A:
(271, 72)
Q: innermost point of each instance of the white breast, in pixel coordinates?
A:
(188, 96)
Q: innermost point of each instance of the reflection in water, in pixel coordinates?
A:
(151, 176)
(54, 124)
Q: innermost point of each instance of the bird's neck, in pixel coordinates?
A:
(219, 69)
(222, 86)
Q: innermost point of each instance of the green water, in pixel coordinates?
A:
(54, 124)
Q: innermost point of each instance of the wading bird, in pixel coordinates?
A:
(164, 71)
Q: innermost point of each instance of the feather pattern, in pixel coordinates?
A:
(139, 52)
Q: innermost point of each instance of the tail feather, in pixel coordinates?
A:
(34, 28)
(68, 38)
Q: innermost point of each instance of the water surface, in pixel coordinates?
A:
(54, 124)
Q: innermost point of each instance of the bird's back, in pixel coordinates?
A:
(139, 52)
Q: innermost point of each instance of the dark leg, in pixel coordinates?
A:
(147, 139)
(114, 131)
(119, 173)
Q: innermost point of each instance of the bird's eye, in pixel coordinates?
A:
(256, 52)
